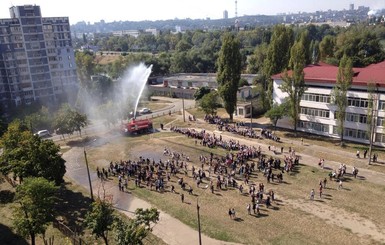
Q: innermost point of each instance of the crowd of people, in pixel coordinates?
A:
(232, 171)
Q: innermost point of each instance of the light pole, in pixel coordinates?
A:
(199, 224)
(88, 173)
(184, 118)
(251, 113)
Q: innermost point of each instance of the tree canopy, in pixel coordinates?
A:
(277, 112)
(27, 155)
(229, 72)
(100, 219)
(278, 55)
(35, 198)
(209, 103)
(340, 93)
(294, 84)
(137, 228)
(68, 120)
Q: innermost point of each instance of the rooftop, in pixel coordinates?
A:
(326, 73)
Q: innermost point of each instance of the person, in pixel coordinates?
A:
(248, 209)
(182, 197)
(272, 196)
(340, 185)
(320, 191)
(268, 202)
(325, 180)
(233, 213)
(355, 172)
(172, 189)
(365, 152)
(358, 154)
(374, 157)
(230, 213)
(312, 194)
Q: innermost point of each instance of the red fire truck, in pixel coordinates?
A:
(138, 126)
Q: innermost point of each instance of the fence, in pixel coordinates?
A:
(165, 112)
(10, 181)
(75, 239)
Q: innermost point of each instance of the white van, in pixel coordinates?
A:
(43, 133)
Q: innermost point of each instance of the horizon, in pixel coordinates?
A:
(153, 10)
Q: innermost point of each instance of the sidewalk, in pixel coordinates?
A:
(169, 229)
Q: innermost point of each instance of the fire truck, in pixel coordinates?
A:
(136, 126)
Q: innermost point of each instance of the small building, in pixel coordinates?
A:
(244, 98)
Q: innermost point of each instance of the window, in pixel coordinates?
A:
(316, 97)
(358, 102)
(313, 126)
(355, 133)
(315, 112)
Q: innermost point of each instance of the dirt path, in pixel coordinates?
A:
(340, 217)
(169, 229)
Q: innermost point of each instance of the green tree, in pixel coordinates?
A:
(39, 120)
(202, 91)
(209, 103)
(68, 120)
(85, 64)
(371, 117)
(326, 47)
(294, 84)
(276, 113)
(361, 45)
(100, 219)
(136, 229)
(340, 93)
(229, 72)
(34, 212)
(278, 56)
(243, 82)
(256, 60)
(26, 155)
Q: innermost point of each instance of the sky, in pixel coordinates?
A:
(116, 10)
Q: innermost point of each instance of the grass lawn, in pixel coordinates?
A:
(289, 222)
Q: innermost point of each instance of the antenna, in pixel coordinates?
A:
(236, 10)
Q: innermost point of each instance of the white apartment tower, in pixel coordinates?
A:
(225, 14)
(37, 60)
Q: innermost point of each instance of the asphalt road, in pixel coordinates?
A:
(97, 126)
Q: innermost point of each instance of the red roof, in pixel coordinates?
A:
(325, 73)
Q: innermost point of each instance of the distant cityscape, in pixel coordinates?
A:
(332, 17)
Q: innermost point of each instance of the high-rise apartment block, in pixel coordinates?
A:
(225, 14)
(37, 61)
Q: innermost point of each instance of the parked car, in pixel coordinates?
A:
(43, 133)
(145, 111)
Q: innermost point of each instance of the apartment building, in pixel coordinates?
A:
(37, 60)
(318, 113)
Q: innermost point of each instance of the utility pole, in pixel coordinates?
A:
(184, 118)
(88, 173)
(199, 224)
(251, 113)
